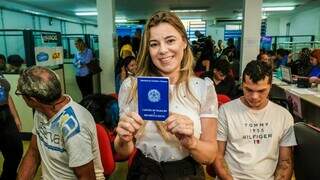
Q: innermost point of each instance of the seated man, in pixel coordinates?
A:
(255, 136)
(64, 136)
(223, 82)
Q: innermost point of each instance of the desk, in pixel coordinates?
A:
(310, 99)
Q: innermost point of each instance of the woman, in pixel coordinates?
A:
(175, 148)
(128, 68)
(126, 48)
(205, 63)
(10, 125)
(314, 74)
(105, 111)
(83, 75)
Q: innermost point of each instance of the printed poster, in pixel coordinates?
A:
(49, 56)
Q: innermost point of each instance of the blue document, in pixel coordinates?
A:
(153, 98)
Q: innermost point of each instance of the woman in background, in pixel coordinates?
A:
(80, 61)
(10, 126)
(128, 67)
(105, 111)
(314, 74)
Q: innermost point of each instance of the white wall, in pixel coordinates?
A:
(304, 23)
(90, 29)
(216, 32)
(273, 26)
(19, 20)
(54, 26)
(74, 28)
(16, 20)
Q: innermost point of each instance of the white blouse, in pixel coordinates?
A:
(151, 143)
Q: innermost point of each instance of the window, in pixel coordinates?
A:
(192, 25)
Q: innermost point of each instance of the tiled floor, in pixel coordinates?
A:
(119, 173)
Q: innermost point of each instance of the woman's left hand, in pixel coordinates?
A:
(182, 127)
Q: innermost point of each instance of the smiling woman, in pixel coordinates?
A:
(186, 138)
(166, 49)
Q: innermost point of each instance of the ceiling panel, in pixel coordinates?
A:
(141, 9)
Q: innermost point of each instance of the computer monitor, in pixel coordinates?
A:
(286, 74)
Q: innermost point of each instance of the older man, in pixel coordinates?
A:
(64, 136)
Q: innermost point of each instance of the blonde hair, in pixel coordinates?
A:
(147, 68)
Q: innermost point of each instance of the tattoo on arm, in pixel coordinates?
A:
(284, 169)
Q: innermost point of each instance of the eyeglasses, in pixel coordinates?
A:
(18, 93)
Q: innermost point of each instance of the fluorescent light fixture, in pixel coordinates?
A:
(32, 12)
(188, 10)
(121, 20)
(283, 8)
(93, 13)
(262, 17)
(191, 20)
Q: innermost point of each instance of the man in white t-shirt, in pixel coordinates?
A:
(64, 136)
(255, 136)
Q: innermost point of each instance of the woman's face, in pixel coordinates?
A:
(313, 61)
(79, 46)
(166, 48)
(132, 66)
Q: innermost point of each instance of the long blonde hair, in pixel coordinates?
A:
(147, 68)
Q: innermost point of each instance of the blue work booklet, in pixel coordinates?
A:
(153, 98)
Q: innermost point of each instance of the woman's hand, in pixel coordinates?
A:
(128, 126)
(182, 127)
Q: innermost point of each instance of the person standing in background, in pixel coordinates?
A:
(220, 47)
(10, 125)
(3, 63)
(126, 48)
(136, 41)
(80, 61)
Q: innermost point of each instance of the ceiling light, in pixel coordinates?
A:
(188, 10)
(32, 12)
(283, 8)
(192, 19)
(262, 17)
(86, 13)
(121, 20)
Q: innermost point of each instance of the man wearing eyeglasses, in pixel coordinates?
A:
(64, 136)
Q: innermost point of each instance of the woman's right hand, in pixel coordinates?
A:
(128, 126)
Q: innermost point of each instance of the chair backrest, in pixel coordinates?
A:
(222, 99)
(307, 152)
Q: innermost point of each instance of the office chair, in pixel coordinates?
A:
(281, 101)
(222, 99)
(307, 152)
